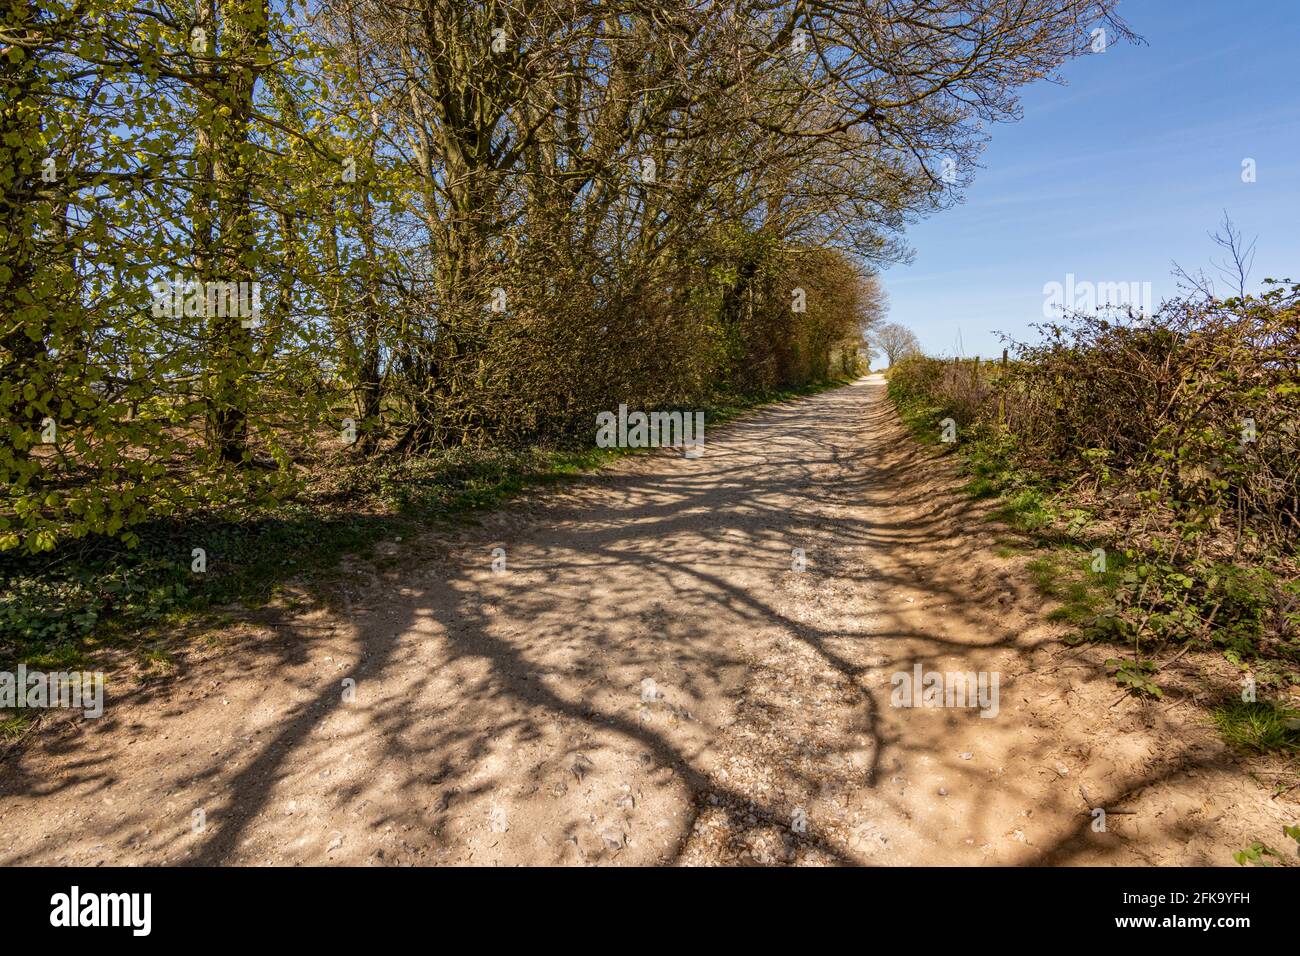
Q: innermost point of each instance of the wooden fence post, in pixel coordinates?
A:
(1002, 393)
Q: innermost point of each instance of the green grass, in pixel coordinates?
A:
(12, 727)
(1063, 568)
(1026, 509)
(1068, 575)
(1259, 727)
(919, 417)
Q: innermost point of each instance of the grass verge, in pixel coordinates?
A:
(1090, 583)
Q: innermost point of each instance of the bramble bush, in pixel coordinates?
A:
(1174, 435)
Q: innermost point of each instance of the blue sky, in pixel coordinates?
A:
(1119, 173)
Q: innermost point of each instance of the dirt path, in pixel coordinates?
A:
(650, 681)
